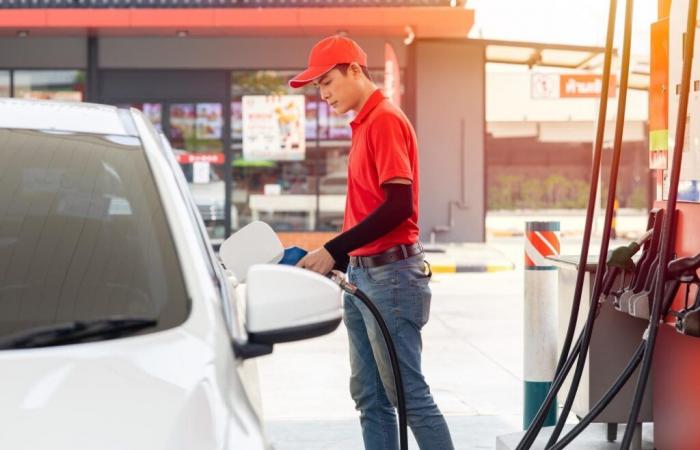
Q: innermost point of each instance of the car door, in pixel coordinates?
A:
(232, 307)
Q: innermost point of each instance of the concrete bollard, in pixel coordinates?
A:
(540, 316)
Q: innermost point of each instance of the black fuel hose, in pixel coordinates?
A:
(604, 401)
(592, 190)
(612, 188)
(567, 359)
(669, 223)
(568, 364)
(351, 289)
(619, 382)
(617, 385)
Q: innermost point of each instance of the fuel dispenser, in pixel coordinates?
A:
(669, 342)
(676, 392)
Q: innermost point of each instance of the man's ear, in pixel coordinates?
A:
(356, 70)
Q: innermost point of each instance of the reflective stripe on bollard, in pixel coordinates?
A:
(540, 317)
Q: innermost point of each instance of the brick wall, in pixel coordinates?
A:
(306, 240)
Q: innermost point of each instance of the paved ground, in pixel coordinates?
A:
(472, 360)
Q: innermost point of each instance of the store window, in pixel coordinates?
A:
(195, 132)
(65, 85)
(4, 83)
(304, 192)
(196, 135)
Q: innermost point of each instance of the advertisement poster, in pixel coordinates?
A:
(209, 120)
(273, 127)
(182, 119)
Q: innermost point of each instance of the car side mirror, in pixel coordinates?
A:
(286, 303)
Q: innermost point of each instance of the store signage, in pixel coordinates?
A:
(544, 85)
(658, 97)
(555, 85)
(584, 85)
(201, 172)
(273, 127)
(189, 158)
(392, 75)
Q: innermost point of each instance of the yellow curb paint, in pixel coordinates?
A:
(504, 233)
(499, 268)
(444, 268)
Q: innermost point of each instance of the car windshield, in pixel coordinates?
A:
(83, 234)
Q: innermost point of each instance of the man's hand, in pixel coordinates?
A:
(318, 260)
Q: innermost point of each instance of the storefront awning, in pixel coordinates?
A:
(422, 22)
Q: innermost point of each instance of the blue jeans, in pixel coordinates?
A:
(401, 293)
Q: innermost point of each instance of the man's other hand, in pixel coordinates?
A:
(318, 260)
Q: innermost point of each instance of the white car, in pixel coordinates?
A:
(119, 327)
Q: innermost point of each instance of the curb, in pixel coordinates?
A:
(471, 268)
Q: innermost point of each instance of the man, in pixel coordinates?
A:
(380, 242)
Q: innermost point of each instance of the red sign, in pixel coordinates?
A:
(584, 85)
(189, 158)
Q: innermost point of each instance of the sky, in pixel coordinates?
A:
(574, 22)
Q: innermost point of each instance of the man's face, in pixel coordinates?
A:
(341, 92)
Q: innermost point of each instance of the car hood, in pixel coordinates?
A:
(154, 391)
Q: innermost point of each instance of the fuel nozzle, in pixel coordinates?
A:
(688, 322)
(339, 278)
(621, 257)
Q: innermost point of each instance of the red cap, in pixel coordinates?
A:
(326, 54)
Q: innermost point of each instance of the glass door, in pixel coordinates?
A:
(195, 132)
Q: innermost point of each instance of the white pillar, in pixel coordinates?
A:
(540, 316)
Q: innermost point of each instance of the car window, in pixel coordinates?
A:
(83, 234)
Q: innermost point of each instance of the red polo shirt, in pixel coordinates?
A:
(383, 147)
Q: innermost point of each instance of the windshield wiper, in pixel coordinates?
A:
(77, 331)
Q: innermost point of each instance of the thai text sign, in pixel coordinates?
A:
(584, 85)
(556, 85)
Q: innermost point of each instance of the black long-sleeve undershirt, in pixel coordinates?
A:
(397, 207)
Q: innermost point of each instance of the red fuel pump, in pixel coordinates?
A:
(676, 392)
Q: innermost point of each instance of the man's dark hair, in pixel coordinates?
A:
(345, 66)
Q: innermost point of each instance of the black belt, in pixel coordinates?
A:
(393, 254)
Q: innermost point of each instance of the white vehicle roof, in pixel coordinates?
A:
(65, 116)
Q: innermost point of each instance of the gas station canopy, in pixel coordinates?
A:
(574, 57)
(419, 18)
